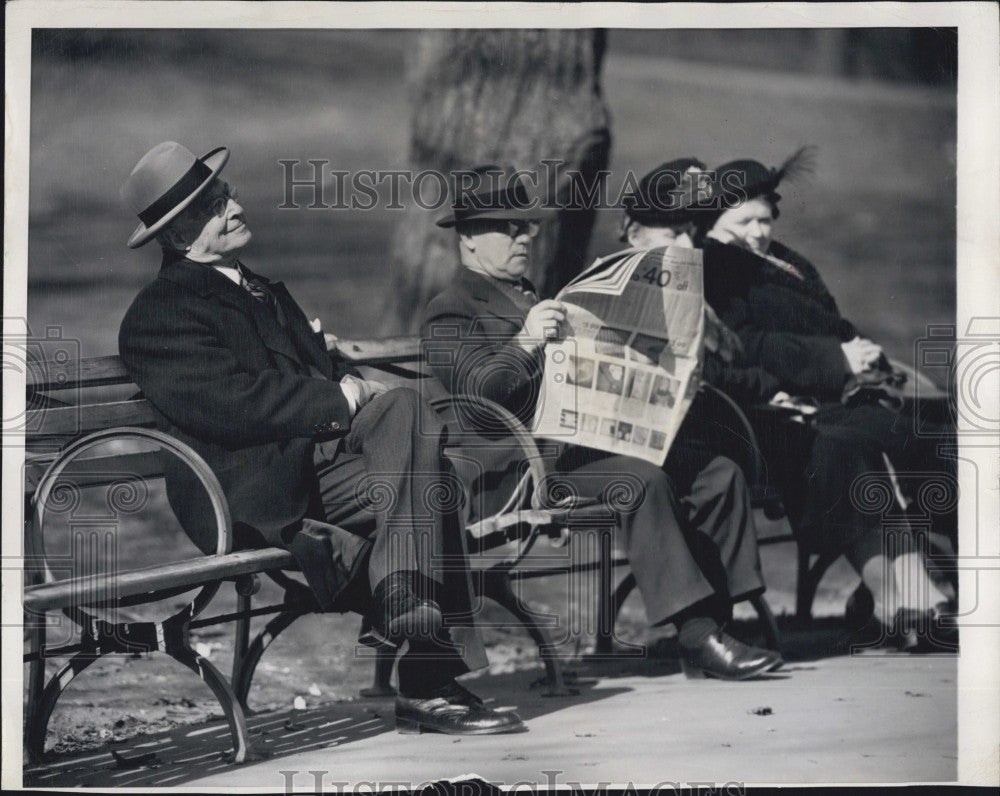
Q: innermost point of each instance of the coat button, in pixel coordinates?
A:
(335, 425)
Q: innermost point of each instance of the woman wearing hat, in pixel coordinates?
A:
(789, 325)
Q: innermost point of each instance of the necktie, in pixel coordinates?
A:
(258, 290)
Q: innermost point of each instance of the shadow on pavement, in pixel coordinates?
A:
(196, 751)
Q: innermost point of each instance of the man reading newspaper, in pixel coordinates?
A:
(688, 534)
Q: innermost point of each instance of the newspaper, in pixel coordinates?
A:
(624, 377)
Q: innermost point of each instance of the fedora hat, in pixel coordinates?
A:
(495, 193)
(164, 182)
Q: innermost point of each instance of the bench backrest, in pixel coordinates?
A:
(53, 384)
(68, 398)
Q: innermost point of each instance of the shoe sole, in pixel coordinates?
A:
(414, 727)
(692, 672)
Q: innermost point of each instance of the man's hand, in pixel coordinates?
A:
(360, 391)
(543, 323)
(861, 354)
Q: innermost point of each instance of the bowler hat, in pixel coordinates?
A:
(491, 192)
(164, 182)
(664, 196)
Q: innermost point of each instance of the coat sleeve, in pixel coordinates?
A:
(469, 360)
(745, 385)
(177, 358)
(803, 364)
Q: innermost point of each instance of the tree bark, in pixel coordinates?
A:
(512, 98)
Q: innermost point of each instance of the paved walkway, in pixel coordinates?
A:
(871, 718)
(862, 719)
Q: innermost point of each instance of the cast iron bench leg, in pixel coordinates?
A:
(36, 668)
(808, 581)
(263, 640)
(607, 612)
(41, 710)
(496, 586)
(771, 637)
(241, 643)
(213, 678)
(381, 685)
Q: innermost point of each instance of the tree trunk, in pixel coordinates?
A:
(509, 97)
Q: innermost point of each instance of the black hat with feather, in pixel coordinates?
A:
(739, 181)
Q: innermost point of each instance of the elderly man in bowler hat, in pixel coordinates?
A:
(498, 330)
(301, 445)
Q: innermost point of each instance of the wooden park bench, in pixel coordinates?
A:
(86, 427)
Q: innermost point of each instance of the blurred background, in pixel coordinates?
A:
(877, 218)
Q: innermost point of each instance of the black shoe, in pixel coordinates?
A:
(911, 630)
(924, 632)
(453, 710)
(723, 657)
(398, 614)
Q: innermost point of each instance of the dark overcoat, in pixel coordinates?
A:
(790, 327)
(252, 397)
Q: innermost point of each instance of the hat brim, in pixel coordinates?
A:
(502, 214)
(215, 160)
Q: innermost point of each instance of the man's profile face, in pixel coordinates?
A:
(213, 225)
(499, 253)
(750, 226)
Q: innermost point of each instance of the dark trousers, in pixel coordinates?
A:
(681, 550)
(835, 483)
(387, 480)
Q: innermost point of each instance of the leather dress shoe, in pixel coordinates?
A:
(723, 657)
(911, 630)
(398, 614)
(453, 710)
(922, 632)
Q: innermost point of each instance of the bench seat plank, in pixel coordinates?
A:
(194, 572)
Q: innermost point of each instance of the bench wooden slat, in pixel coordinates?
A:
(92, 372)
(83, 419)
(103, 371)
(194, 572)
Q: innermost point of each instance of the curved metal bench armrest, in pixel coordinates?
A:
(183, 451)
(744, 423)
(533, 457)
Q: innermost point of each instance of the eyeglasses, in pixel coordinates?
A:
(516, 229)
(216, 205)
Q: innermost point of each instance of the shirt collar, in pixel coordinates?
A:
(231, 272)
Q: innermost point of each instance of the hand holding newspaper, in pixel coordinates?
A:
(629, 366)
